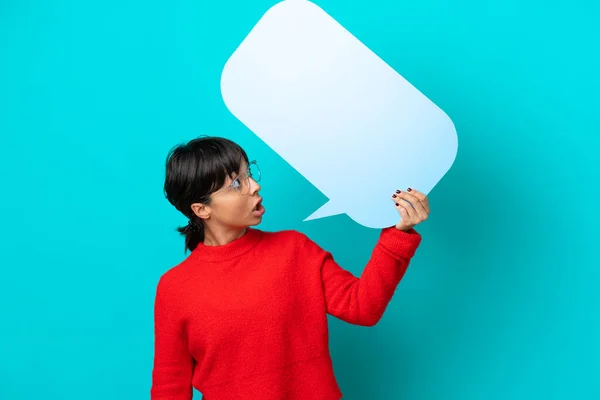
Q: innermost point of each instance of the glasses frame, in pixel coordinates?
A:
(248, 174)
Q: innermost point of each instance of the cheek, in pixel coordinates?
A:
(233, 210)
(240, 209)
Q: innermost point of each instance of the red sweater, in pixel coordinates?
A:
(248, 320)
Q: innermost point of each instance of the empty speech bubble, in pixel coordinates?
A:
(337, 113)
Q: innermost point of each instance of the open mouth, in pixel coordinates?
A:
(258, 206)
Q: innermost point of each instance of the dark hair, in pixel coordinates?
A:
(193, 172)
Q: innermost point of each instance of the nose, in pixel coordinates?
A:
(254, 186)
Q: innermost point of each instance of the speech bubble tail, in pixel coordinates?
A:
(326, 210)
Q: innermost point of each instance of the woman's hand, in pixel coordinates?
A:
(414, 214)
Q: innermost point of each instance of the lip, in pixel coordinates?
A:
(261, 209)
(257, 203)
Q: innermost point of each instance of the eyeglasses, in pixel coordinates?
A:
(241, 183)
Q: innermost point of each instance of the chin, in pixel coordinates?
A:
(258, 221)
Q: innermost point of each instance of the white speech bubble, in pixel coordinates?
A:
(336, 112)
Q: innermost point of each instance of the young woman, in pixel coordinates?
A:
(244, 316)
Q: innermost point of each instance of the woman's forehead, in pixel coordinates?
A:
(243, 170)
(243, 167)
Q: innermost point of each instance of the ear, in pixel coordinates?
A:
(201, 210)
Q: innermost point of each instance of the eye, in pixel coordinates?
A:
(235, 183)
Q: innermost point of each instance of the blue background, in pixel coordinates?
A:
(501, 299)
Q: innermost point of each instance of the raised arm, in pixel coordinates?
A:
(362, 301)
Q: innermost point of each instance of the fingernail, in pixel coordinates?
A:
(409, 189)
(393, 195)
(397, 191)
(396, 204)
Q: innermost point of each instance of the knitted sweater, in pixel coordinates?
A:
(248, 319)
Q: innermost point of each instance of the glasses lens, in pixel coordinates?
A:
(245, 184)
(254, 171)
(244, 178)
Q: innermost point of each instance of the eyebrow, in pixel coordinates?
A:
(237, 175)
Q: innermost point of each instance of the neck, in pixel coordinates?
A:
(220, 237)
(227, 246)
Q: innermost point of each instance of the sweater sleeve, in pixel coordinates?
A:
(172, 372)
(362, 301)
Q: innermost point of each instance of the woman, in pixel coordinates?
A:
(244, 316)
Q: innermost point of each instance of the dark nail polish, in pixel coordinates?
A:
(393, 195)
(397, 204)
(397, 191)
(409, 189)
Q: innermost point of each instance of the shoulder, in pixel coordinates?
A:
(297, 241)
(172, 278)
(290, 241)
(297, 246)
(285, 236)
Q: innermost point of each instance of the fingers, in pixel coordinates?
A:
(403, 206)
(412, 205)
(421, 197)
(403, 210)
(417, 205)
